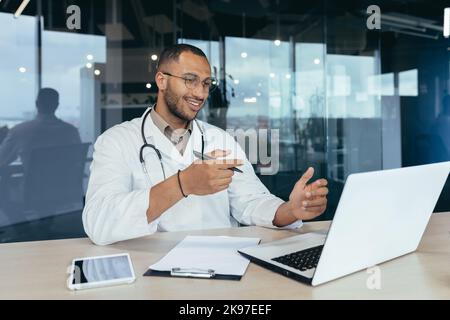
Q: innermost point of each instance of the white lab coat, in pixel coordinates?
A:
(118, 192)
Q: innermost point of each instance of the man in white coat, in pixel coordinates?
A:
(135, 191)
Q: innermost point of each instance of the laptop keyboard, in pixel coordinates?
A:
(301, 260)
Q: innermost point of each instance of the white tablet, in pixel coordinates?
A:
(93, 272)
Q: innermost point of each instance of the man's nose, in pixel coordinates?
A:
(200, 92)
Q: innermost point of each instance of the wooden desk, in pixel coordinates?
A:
(37, 270)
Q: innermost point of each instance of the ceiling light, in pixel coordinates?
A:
(446, 22)
(250, 100)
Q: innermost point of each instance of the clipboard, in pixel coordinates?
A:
(187, 273)
(205, 257)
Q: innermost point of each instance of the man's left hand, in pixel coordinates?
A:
(308, 201)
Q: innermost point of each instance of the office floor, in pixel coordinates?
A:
(64, 226)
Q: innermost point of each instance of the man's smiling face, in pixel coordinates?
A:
(184, 102)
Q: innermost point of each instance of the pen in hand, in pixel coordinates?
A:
(206, 157)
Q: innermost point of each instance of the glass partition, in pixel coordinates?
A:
(301, 84)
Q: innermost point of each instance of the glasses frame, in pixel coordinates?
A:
(210, 89)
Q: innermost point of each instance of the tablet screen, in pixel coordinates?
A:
(101, 269)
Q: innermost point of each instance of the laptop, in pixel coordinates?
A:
(381, 215)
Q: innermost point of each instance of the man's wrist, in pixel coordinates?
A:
(184, 183)
(284, 215)
(291, 209)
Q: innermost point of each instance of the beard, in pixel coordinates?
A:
(173, 102)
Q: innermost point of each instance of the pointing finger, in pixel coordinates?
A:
(306, 176)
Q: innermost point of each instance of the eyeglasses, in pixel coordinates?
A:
(191, 82)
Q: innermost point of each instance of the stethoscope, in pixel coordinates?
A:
(158, 153)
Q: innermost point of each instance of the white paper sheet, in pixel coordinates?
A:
(208, 252)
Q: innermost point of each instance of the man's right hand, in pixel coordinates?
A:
(204, 177)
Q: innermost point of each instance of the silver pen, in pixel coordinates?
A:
(206, 157)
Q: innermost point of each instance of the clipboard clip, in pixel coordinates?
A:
(192, 272)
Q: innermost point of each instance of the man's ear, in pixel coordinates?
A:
(161, 81)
